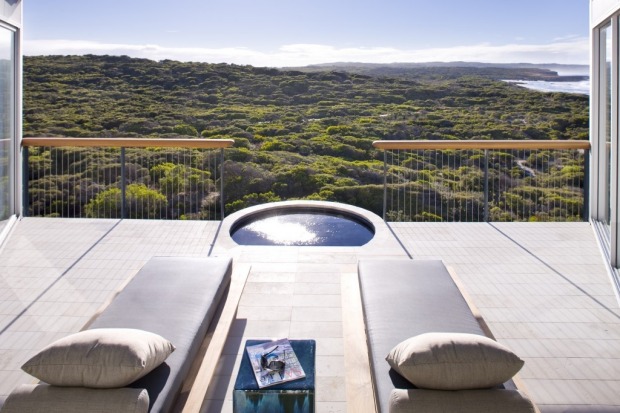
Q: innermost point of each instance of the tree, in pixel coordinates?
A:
(184, 129)
(142, 202)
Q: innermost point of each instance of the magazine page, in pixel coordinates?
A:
(267, 358)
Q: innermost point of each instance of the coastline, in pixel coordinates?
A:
(581, 87)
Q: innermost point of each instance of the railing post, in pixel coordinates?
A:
(25, 174)
(586, 185)
(222, 183)
(384, 183)
(123, 186)
(486, 185)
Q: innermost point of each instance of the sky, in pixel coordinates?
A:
(284, 33)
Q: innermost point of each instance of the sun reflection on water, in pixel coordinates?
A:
(279, 231)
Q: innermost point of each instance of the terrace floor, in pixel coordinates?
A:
(542, 287)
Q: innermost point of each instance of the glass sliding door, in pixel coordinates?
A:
(7, 123)
(605, 123)
(605, 137)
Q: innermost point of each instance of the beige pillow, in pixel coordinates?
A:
(42, 398)
(466, 401)
(453, 361)
(99, 358)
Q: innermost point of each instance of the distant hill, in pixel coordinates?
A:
(497, 71)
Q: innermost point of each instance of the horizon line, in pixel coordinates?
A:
(327, 63)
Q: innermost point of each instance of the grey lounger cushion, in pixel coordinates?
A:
(43, 398)
(463, 401)
(401, 299)
(175, 297)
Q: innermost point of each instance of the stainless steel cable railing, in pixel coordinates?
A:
(478, 181)
(124, 178)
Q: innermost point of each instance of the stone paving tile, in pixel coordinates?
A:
(316, 314)
(264, 313)
(330, 346)
(268, 289)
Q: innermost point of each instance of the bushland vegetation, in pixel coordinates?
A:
(298, 134)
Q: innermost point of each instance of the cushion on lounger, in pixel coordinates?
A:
(99, 358)
(42, 398)
(464, 401)
(177, 298)
(453, 361)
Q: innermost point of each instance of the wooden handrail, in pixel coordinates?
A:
(130, 142)
(483, 144)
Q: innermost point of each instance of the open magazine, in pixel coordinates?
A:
(274, 362)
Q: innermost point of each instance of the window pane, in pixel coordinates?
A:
(605, 93)
(7, 122)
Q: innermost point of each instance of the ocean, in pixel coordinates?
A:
(581, 87)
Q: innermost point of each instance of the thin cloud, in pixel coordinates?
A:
(568, 38)
(569, 50)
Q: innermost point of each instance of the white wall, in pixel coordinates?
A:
(11, 12)
(600, 10)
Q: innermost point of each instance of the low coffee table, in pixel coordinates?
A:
(295, 396)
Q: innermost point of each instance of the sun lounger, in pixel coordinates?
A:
(401, 299)
(173, 297)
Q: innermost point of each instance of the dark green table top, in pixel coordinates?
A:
(305, 351)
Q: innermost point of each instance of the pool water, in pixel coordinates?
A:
(303, 228)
